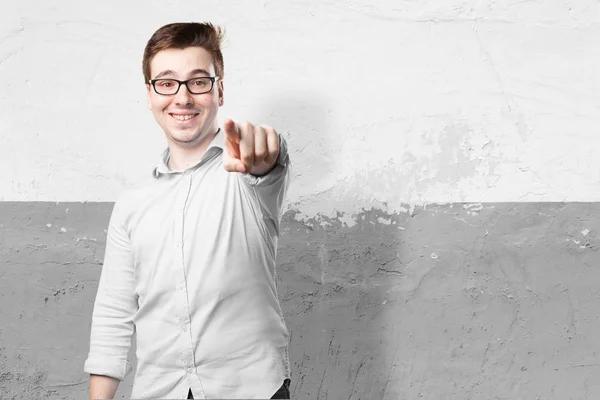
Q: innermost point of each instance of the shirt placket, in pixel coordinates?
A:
(187, 345)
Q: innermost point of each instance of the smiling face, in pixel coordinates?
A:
(187, 119)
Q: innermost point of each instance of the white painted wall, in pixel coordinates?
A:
(460, 100)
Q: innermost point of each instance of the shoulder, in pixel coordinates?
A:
(129, 200)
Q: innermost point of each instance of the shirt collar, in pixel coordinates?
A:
(215, 146)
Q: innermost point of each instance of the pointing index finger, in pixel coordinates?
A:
(232, 130)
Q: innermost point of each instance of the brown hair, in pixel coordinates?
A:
(185, 34)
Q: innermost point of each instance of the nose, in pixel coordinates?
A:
(183, 97)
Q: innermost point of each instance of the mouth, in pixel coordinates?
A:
(183, 117)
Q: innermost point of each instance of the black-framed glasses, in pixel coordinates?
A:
(169, 87)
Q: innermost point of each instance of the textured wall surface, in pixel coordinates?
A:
(498, 301)
(440, 236)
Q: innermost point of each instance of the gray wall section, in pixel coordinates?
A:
(447, 302)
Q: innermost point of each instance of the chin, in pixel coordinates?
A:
(185, 137)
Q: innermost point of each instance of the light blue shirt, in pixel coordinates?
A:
(190, 267)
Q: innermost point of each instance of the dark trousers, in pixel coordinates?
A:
(282, 393)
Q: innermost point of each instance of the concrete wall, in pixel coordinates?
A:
(440, 236)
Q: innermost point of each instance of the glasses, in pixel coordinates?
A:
(169, 87)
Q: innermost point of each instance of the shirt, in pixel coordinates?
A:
(190, 267)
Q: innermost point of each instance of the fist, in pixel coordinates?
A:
(249, 148)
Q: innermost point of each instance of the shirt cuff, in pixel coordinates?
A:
(98, 365)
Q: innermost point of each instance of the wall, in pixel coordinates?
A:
(440, 233)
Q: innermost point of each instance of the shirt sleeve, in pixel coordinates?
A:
(270, 189)
(115, 306)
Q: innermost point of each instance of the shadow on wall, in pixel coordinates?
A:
(333, 280)
(307, 122)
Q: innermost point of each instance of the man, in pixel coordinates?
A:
(190, 257)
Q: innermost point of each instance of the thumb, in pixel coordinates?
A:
(231, 162)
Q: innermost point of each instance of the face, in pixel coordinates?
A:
(186, 118)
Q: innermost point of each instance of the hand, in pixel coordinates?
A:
(248, 148)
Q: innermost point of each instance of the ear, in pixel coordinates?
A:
(148, 96)
(221, 87)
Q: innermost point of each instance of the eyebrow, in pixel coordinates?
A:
(197, 71)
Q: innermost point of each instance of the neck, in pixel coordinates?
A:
(182, 157)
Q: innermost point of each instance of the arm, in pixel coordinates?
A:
(261, 155)
(103, 387)
(112, 319)
(271, 187)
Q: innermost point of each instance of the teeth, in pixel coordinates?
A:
(182, 117)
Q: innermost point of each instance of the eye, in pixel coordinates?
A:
(199, 82)
(165, 84)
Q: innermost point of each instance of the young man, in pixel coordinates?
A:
(190, 257)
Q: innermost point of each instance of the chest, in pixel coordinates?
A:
(199, 224)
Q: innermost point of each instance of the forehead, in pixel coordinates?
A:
(181, 61)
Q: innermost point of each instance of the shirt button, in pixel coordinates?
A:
(190, 370)
(185, 328)
(181, 286)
